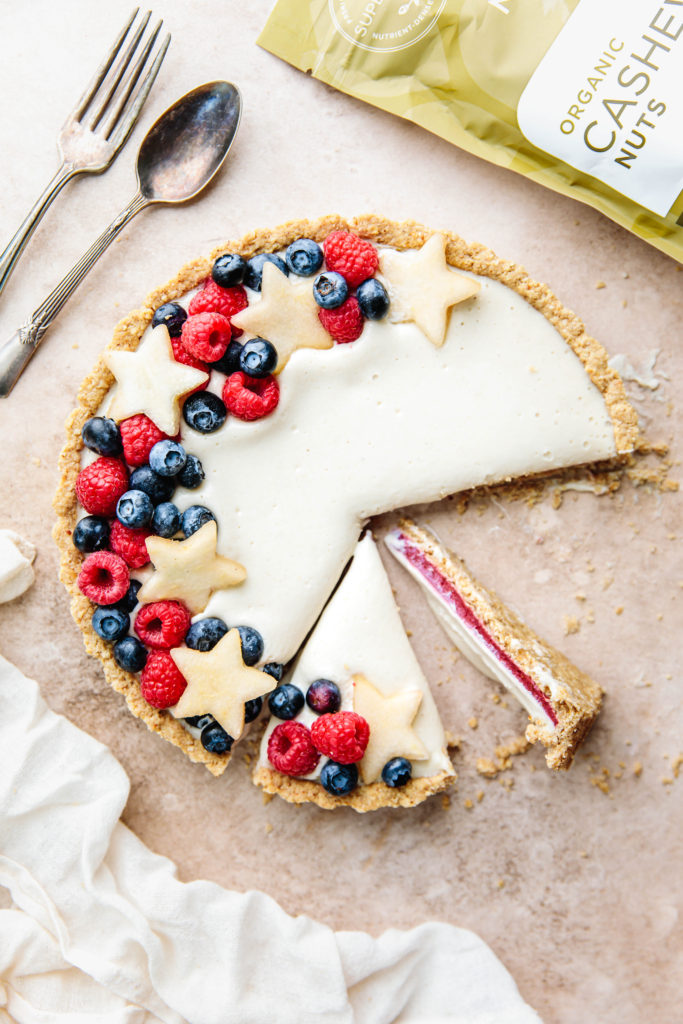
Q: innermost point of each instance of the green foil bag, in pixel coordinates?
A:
(584, 96)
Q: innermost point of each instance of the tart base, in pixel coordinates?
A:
(364, 798)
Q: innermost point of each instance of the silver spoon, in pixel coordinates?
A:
(178, 157)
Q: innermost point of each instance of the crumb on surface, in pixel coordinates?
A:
(571, 624)
(637, 769)
(468, 805)
(473, 722)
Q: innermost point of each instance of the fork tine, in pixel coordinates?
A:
(131, 115)
(127, 87)
(115, 76)
(102, 70)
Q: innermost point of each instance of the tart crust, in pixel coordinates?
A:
(364, 798)
(127, 334)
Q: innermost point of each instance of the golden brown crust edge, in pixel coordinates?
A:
(407, 235)
(364, 798)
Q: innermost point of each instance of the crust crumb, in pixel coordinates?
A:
(571, 624)
(473, 722)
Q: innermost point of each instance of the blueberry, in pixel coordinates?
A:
(274, 669)
(172, 315)
(204, 634)
(204, 412)
(166, 519)
(397, 772)
(102, 436)
(230, 362)
(252, 644)
(193, 473)
(130, 654)
(330, 289)
(228, 270)
(372, 299)
(130, 599)
(254, 273)
(91, 534)
(193, 518)
(199, 721)
(304, 257)
(167, 458)
(215, 739)
(110, 623)
(339, 779)
(252, 709)
(323, 697)
(258, 357)
(134, 509)
(286, 701)
(158, 488)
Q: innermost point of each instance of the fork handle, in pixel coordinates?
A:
(9, 257)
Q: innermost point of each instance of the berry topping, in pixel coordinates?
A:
(230, 363)
(250, 398)
(274, 669)
(130, 654)
(286, 701)
(345, 323)
(192, 475)
(162, 625)
(342, 736)
(100, 485)
(254, 274)
(304, 257)
(323, 697)
(167, 458)
(173, 316)
(228, 270)
(330, 290)
(110, 623)
(139, 435)
(134, 509)
(204, 634)
(166, 519)
(350, 256)
(161, 684)
(158, 488)
(104, 578)
(397, 772)
(339, 779)
(181, 355)
(91, 534)
(130, 598)
(102, 436)
(252, 644)
(291, 750)
(129, 544)
(204, 412)
(373, 299)
(252, 709)
(215, 299)
(206, 336)
(199, 721)
(194, 517)
(258, 358)
(215, 739)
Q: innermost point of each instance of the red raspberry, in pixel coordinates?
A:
(343, 736)
(139, 435)
(100, 485)
(129, 544)
(345, 323)
(104, 578)
(206, 336)
(351, 256)
(181, 355)
(162, 684)
(162, 625)
(214, 299)
(291, 750)
(250, 398)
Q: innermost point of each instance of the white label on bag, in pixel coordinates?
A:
(607, 98)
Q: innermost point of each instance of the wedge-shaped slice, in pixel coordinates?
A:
(360, 645)
(562, 701)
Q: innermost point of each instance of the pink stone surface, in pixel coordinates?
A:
(577, 890)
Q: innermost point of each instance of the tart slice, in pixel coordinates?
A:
(355, 722)
(562, 701)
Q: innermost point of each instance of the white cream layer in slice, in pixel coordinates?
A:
(360, 632)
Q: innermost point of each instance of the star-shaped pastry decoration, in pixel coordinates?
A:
(390, 719)
(219, 683)
(423, 288)
(150, 381)
(286, 316)
(189, 570)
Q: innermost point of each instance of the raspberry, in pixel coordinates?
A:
(181, 355)
(206, 336)
(345, 323)
(161, 683)
(250, 398)
(100, 485)
(139, 435)
(342, 736)
(351, 256)
(162, 625)
(129, 544)
(214, 299)
(104, 578)
(291, 750)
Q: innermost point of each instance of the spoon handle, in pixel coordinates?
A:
(16, 353)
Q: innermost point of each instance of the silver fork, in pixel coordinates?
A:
(99, 124)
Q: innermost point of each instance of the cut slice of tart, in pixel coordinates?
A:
(356, 667)
(562, 702)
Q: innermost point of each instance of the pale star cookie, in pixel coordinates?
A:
(390, 720)
(422, 288)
